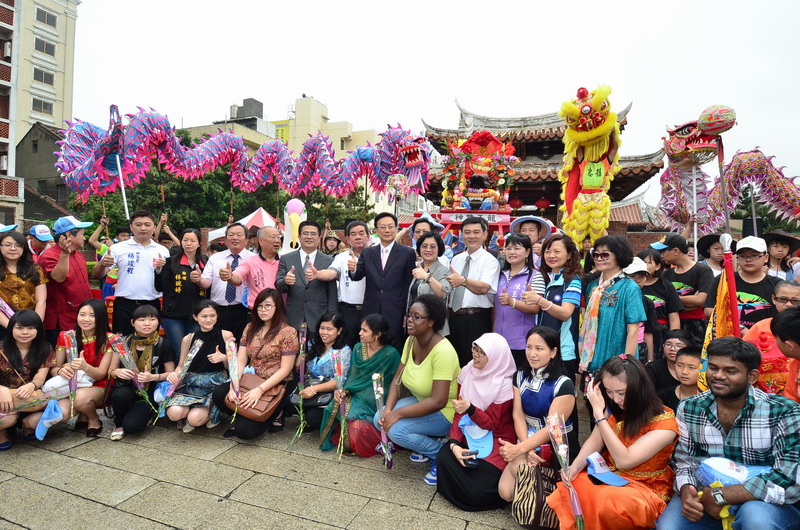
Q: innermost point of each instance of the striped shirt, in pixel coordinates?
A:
(765, 433)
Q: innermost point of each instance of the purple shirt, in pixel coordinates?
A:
(511, 323)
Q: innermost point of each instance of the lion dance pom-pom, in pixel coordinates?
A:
(591, 156)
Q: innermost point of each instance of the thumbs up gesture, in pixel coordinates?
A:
(504, 297)
(352, 262)
(290, 278)
(311, 272)
(108, 260)
(531, 297)
(194, 275)
(225, 273)
(160, 262)
(454, 278)
(419, 272)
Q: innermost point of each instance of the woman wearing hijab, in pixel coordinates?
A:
(482, 418)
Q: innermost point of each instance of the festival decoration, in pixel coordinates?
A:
(557, 429)
(71, 346)
(88, 158)
(684, 186)
(385, 446)
(301, 383)
(293, 214)
(397, 186)
(181, 373)
(120, 347)
(479, 173)
(591, 156)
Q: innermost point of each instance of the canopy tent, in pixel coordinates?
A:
(259, 218)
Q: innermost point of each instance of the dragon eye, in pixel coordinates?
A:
(586, 109)
(686, 129)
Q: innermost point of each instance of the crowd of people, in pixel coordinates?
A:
(478, 347)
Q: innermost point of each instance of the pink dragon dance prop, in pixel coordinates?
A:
(684, 186)
(87, 158)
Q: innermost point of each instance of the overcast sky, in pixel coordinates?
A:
(379, 62)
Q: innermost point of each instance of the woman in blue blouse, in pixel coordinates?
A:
(319, 377)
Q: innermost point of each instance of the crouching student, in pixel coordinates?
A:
(154, 359)
(470, 465)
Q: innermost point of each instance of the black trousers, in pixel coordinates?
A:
(352, 315)
(123, 313)
(245, 428)
(464, 329)
(131, 412)
(233, 318)
(469, 489)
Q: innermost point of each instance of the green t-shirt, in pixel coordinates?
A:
(440, 365)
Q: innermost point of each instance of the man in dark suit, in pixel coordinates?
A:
(307, 300)
(387, 268)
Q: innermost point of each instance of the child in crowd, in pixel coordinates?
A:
(688, 364)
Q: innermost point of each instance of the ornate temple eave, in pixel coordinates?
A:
(524, 129)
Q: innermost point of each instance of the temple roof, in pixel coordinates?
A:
(528, 128)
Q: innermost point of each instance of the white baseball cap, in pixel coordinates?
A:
(751, 242)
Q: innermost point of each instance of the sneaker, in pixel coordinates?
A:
(430, 478)
(418, 458)
(211, 424)
(188, 428)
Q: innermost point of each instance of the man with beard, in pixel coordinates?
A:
(258, 272)
(736, 421)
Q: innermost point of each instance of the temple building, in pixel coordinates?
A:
(538, 144)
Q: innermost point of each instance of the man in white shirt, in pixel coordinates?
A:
(232, 314)
(351, 292)
(136, 260)
(473, 276)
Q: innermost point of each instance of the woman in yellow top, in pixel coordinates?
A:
(429, 370)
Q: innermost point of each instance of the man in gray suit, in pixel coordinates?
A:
(307, 300)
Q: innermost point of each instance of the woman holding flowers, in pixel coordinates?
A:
(483, 407)
(271, 346)
(428, 369)
(540, 390)
(22, 282)
(25, 359)
(192, 399)
(329, 337)
(374, 354)
(635, 435)
(154, 359)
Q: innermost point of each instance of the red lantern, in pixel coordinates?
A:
(542, 204)
(516, 203)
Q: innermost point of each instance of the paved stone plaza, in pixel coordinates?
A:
(165, 478)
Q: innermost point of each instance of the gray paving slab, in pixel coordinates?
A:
(497, 518)
(6, 476)
(186, 508)
(79, 477)
(172, 440)
(292, 497)
(379, 515)
(21, 496)
(194, 473)
(383, 485)
(8, 525)
(472, 525)
(60, 439)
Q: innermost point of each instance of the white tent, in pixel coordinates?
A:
(259, 218)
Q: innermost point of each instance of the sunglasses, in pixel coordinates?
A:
(785, 300)
(601, 255)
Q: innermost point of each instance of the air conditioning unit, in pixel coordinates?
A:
(4, 162)
(7, 49)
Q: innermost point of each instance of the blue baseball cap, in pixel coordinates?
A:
(672, 241)
(52, 414)
(478, 439)
(65, 224)
(7, 228)
(41, 232)
(600, 470)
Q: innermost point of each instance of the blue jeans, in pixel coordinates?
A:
(418, 434)
(750, 515)
(177, 329)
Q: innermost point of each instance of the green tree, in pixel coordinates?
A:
(772, 222)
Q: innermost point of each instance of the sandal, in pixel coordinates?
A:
(94, 432)
(29, 437)
(277, 424)
(5, 446)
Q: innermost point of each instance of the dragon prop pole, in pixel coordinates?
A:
(723, 192)
(753, 208)
(122, 189)
(103, 204)
(694, 208)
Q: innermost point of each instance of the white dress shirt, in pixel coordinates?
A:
(218, 287)
(483, 267)
(136, 265)
(350, 291)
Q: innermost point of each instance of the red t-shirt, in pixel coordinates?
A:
(64, 298)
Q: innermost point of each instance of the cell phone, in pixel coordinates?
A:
(470, 462)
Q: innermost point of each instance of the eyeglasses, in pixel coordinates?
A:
(415, 317)
(784, 300)
(477, 351)
(265, 307)
(673, 345)
(10, 245)
(601, 255)
(750, 257)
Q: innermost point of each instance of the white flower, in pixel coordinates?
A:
(501, 182)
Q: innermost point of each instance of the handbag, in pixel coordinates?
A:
(529, 506)
(321, 399)
(266, 405)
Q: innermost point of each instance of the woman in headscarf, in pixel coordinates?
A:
(482, 418)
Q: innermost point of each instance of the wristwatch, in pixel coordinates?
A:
(719, 497)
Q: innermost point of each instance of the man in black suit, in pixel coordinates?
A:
(307, 300)
(387, 268)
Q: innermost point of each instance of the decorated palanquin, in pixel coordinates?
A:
(478, 173)
(591, 160)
